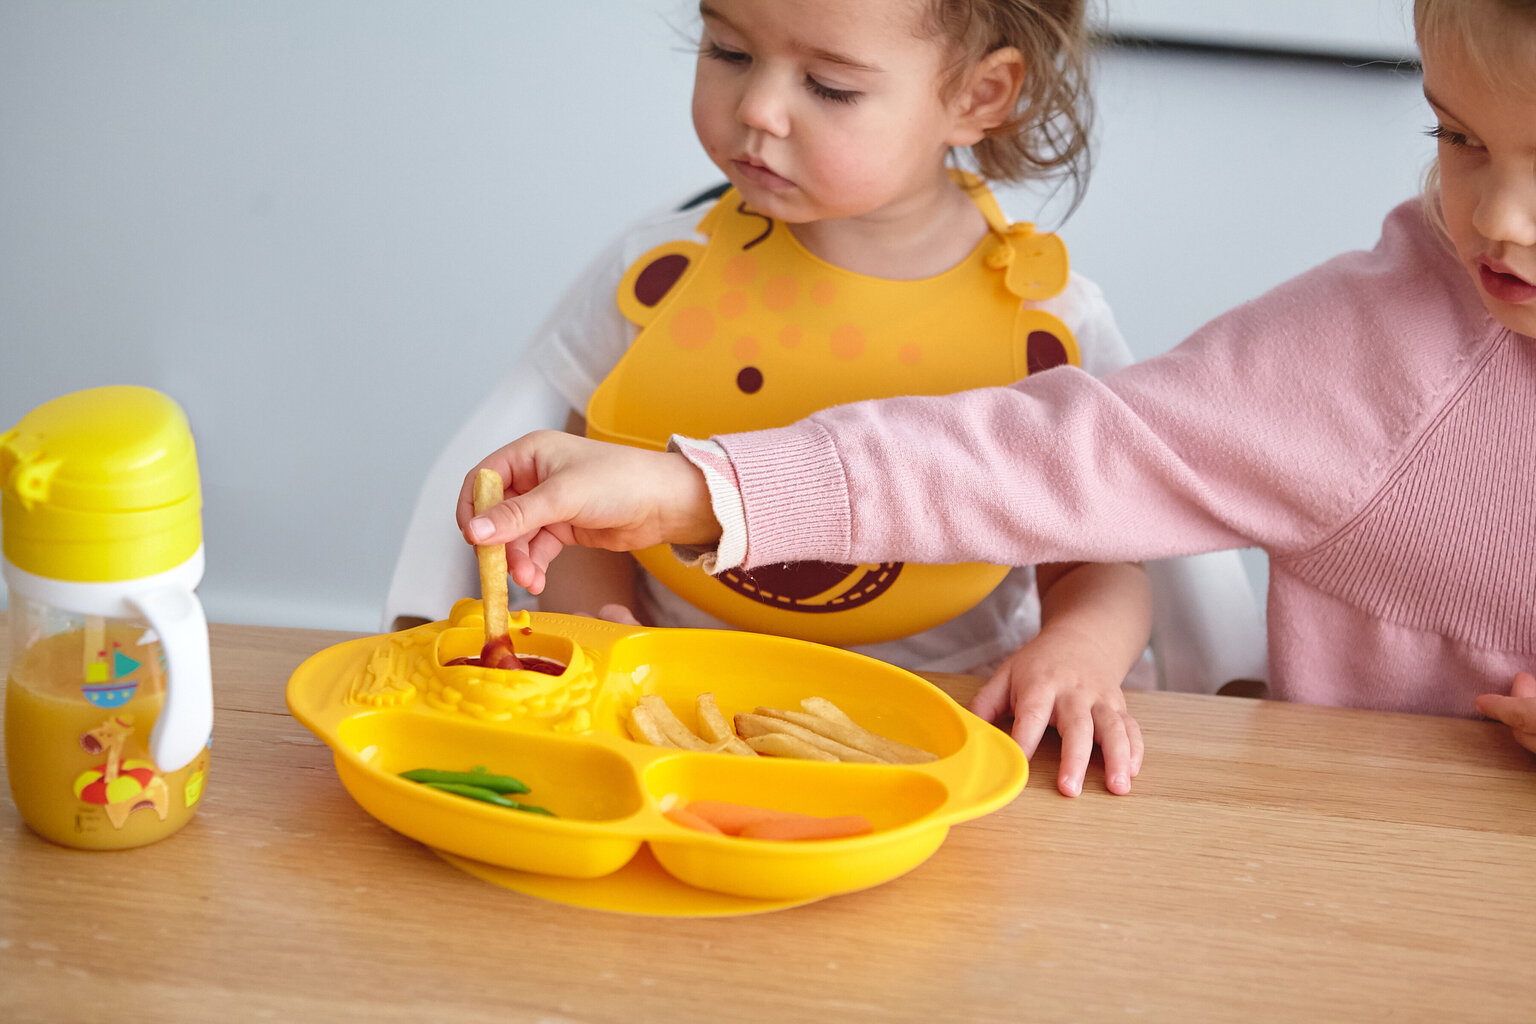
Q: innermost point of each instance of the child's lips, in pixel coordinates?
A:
(760, 174)
(1503, 285)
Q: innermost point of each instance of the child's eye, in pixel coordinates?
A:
(1461, 140)
(714, 51)
(826, 92)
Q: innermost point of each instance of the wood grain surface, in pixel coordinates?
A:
(1272, 863)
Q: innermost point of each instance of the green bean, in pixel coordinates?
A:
(490, 796)
(479, 777)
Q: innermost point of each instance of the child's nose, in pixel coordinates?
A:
(1506, 210)
(763, 107)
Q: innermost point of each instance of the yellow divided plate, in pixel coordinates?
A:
(389, 704)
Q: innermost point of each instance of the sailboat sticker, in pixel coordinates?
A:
(108, 685)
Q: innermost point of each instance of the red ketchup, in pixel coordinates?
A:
(498, 653)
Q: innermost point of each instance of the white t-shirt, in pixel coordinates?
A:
(586, 335)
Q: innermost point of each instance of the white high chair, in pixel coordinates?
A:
(435, 567)
(1206, 626)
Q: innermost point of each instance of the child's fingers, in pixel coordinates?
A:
(1138, 747)
(992, 699)
(514, 518)
(1523, 686)
(543, 548)
(618, 613)
(1076, 729)
(522, 465)
(464, 511)
(1031, 716)
(1115, 742)
(1519, 713)
(525, 571)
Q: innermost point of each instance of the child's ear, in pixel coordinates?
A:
(987, 96)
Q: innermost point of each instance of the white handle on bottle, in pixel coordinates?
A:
(167, 601)
(186, 721)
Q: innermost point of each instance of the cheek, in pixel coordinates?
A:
(844, 163)
(1458, 202)
(708, 120)
(879, 152)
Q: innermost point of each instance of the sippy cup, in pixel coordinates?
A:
(108, 705)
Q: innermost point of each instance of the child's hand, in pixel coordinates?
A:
(1518, 710)
(617, 613)
(1044, 683)
(565, 490)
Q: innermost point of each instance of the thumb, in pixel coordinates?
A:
(514, 518)
(1523, 686)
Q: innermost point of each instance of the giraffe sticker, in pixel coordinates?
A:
(120, 785)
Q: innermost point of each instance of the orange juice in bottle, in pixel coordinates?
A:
(121, 798)
(108, 705)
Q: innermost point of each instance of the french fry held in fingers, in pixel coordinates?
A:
(498, 651)
(834, 722)
(750, 727)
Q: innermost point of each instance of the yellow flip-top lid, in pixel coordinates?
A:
(101, 485)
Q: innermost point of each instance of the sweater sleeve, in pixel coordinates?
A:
(1270, 426)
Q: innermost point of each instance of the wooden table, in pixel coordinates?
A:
(1274, 863)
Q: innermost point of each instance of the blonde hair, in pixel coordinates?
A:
(1048, 134)
(1492, 36)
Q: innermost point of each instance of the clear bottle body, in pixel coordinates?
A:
(82, 695)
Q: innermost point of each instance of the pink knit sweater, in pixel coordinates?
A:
(1368, 424)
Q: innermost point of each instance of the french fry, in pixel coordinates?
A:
(670, 727)
(749, 725)
(715, 729)
(489, 490)
(643, 727)
(845, 730)
(782, 744)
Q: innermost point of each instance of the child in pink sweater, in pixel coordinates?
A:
(1370, 424)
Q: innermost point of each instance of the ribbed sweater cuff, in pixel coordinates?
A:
(794, 492)
(724, 500)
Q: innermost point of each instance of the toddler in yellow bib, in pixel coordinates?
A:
(850, 257)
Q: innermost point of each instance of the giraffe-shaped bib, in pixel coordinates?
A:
(750, 330)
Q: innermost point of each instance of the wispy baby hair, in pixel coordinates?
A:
(1495, 36)
(1048, 133)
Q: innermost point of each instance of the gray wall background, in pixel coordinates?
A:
(327, 226)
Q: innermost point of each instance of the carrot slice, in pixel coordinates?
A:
(805, 826)
(767, 823)
(728, 817)
(683, 816)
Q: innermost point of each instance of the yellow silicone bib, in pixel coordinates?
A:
(751, 331)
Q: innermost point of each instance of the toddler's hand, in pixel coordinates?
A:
(564, 489)
(617, 613)
(1044, 684)
(1518, 710)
